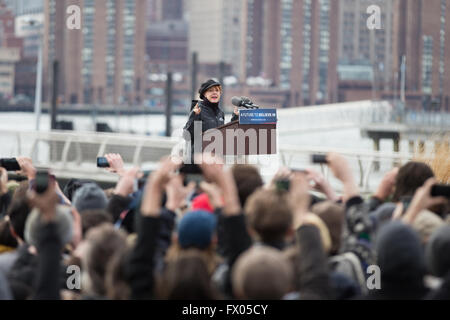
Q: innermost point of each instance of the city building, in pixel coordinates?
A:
(255, 29)
(167, 46)
(103, 61)
(7, 29)
(21, 7)
(420, 41)
(8, 59)
(218, 32)
(161, 10)
(359, 45)
(300, 46)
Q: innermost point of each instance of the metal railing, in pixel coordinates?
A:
(74, 154)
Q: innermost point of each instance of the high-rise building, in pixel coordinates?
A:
(301, 48)
(8, 58)
(160, 10)
(167, 46)
(420, 40)
(217, 31)
(20, 7)
(358, 45)
(103, 61)
(255, 30)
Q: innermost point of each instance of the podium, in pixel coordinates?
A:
(236, 139)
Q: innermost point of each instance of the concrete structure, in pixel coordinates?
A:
(104, 61)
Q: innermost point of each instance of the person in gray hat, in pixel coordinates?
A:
(90, 197)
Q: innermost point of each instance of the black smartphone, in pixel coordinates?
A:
(319, 158)
(440, 190)
(10, 164)
(102, 162)
(191, 173)
(42, 181)
(193, 104)
(283, 185)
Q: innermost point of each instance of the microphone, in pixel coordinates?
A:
(244, 102)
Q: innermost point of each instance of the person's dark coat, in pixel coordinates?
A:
(211, 117)
(401, 260)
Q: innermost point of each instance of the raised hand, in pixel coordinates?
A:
(27, 168)
(386, 185)
(197, 109)
(46, 202)
(422, 200)
(321, 184)
(151, 202)
(177, 193)
(342, 171)
(115, 163)
(125, 186)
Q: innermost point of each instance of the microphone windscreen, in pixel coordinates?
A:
(236, 101)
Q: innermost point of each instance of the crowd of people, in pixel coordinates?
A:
(230, 236)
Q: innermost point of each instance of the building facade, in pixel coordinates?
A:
(300, 49)
(218, 32)
(421, 38)
(102, 62)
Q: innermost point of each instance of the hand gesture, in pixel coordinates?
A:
(125, 186)
(387, 185)
(46, 202)
(151, 202)
(115, 163)
(299, 194)
(321, 184)
(177, 193)
(214, 194)
(197, 109)
(27, 168)
(342, 171)
(422, 200)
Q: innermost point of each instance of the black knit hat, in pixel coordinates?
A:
(207, 85)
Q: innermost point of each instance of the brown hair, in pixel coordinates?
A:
(116, 279)
(269, 214)
(103, 242)
(248, 180)
(332, 214)
(94, 218)
(187, 278)
(410, 177)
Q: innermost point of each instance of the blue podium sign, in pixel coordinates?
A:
(258, 116)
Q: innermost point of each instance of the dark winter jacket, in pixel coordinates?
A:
(211, 117)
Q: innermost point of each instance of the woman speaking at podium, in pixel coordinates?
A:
(207, 110)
